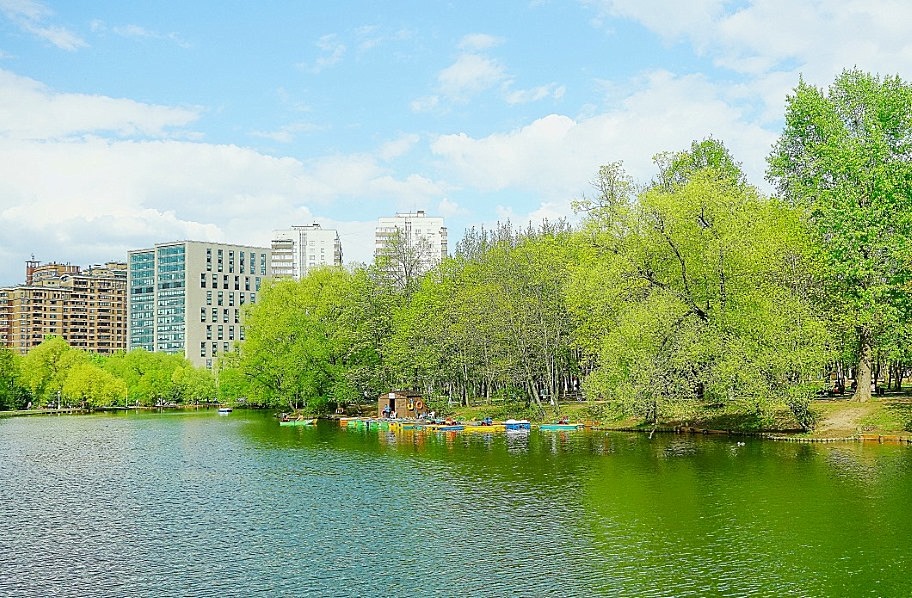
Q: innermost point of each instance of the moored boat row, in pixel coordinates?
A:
(484, 427)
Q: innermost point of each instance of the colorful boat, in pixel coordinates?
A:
(224, 410)
(298, 422)
(487, 428)
(517, 425)
(442, 427)
(565, 427)
(401, 425)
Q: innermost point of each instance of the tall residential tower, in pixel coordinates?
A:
(186, 297)
(297, 250)
(88, 308)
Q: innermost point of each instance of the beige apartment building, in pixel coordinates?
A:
(298, 250)
(88, 308)
(188, 297)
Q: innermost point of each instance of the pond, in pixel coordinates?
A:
(201, 504)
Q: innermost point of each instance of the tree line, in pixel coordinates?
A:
(693, 286)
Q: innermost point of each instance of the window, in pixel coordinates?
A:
(246, 283)
(237, 283)
(237, 317)
(202, 314)
(231, 299)
(221, 260)
(215, 314)
(225, 282)
(208, 297)
(203, 280)
(215, 281)
(231, 261)
(209, 332)
(208, 260)
(221, 332)
(202, 348)
(231, 333)
(225, 315)
(221, 298)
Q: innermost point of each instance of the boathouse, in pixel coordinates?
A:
(406, 403)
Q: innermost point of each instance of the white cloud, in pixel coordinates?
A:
(448, 209)
(67, 193)
(32, 16)
(287, 133)
(332, 51)
(397, 147)
(479, 41)
(552, 156)
(470, 75)
(29, 110)
(525, 96)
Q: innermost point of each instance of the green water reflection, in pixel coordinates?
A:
(200, 504)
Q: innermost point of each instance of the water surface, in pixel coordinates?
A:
(197, 504)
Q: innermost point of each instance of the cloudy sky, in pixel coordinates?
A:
(125, 124)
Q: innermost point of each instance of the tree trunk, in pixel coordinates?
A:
(863, 371)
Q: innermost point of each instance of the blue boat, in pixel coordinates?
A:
(514, 425)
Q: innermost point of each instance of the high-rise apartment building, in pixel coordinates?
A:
(187, 297)
(87, 308)
(410, 243)
(297, 250)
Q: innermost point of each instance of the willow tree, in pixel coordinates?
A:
(845, 158)
(697, 300)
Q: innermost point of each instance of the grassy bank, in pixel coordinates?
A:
(836, 418)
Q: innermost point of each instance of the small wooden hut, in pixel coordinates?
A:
(406, 404)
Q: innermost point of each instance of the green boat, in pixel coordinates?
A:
(564, 427)
(298, 422)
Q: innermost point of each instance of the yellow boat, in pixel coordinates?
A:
(491, 428)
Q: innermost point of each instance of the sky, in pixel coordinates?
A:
(126, 124)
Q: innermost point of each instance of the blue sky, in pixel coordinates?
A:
(124, 124)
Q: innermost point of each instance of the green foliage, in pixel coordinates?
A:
(799, 403)
(87, 385)
(691, 293)
(844, 160)
(46, 367)
(12, 394)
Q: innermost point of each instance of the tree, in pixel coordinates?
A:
(12, 394)
(690, 292)
(404, 258)
(845, 159)
(90, 386)
(45, 369)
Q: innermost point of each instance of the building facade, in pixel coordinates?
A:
(410, 243)
(297, 250)
(87, 308)
(187, 297)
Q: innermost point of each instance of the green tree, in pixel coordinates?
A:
(149, 376)
(45, 369)
(690, 293)
(845, 158)
(12, 394)
(90, 386)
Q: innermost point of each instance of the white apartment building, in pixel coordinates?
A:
(424, 237)
(187, 297)
(297, 250)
